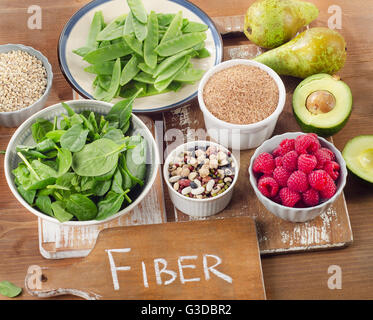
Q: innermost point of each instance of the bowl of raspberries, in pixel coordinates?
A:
(297, 176)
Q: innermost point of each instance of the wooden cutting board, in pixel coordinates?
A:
(216, 259)
(330, 230)
(58, 241)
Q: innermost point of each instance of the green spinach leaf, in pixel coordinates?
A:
(110, 205)
(81, 207)
(117, 182)
(28, 195)
(75, 138)
(97, 158)
(136, 158)
(55, 135)
(64, 161)
(9, 289)
(44, 203)
(106, 176)
(58, 208)
(101, 187)
(40, 128)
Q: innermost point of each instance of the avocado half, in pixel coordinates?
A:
(322, 104)
(358, 154)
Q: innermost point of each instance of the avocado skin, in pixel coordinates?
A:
(274, 22)
(324, 132)
(359, 178)
(355, 172)
(316, 50)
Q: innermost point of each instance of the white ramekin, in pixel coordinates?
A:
(199, 207)
(22, 136)
(15, 118)
(297, 214)
(236, 136)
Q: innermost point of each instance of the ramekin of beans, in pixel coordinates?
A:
(200, 176)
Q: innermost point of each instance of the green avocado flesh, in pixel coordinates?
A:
(327, 123)
(358, 154)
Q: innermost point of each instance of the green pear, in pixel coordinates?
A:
(271, 23)
(316, 50)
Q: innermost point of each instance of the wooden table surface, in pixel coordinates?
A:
(290, 276)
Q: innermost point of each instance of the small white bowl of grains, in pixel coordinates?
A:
(200, 177)
(241, 101)
(25, 82)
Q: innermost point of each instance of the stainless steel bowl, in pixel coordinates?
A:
(23, 136)
(15, 118)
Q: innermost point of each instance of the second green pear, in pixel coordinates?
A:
(271, 23)
(316, 50)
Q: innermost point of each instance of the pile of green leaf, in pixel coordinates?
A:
(152, 52)
(83, 168)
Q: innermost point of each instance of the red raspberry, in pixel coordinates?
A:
(330, 152)
(278, 161)
(281, 176)
(329, 190)
(311, 197)
(285, 146)
(289, 161)
(266, 175)
(332, 168)
(264, 163)
(278, 152)
(313, 135)
(268, 187)
(307, 162)
(322, 156)
(306, 144)
(319, 179)
(289, 198)
(298, 181)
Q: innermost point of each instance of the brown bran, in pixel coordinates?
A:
(241, 94)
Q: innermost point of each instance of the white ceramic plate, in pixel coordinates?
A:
(76, 30)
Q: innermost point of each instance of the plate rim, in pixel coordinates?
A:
(61, 49)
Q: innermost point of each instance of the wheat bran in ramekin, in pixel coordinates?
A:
(241, 94)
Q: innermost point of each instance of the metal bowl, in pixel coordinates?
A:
(23, 136)
(15, 118)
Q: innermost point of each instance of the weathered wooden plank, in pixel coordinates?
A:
(217, 259)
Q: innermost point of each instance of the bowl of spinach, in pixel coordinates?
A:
(82, 162)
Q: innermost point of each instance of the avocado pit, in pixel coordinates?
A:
(320, 101)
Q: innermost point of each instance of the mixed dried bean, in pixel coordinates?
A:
(202, 172)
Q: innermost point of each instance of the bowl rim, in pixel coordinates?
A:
(48, 69)
(292, 135)
(10, 181)
(194, 143)
(229, 63)
(65, 33)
